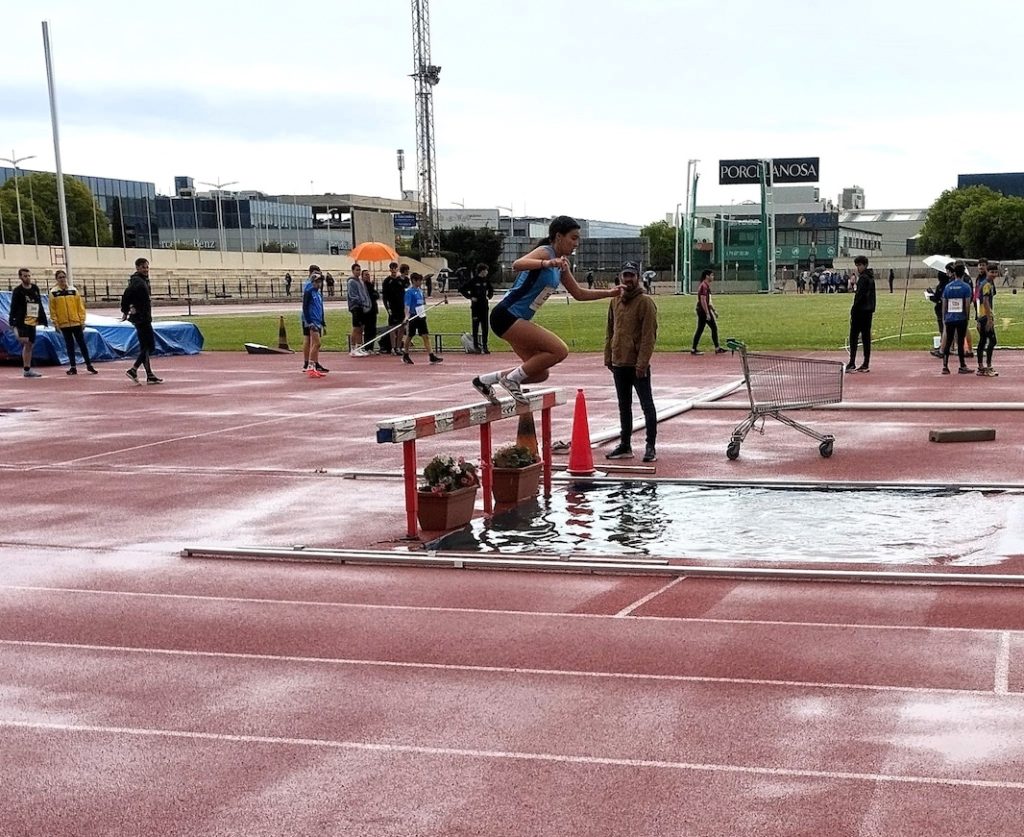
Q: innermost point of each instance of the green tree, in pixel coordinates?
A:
(941, 230)
(994, 229)
(39, 199)
(467, 248)
(662, 237)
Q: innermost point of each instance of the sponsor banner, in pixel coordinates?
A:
(784, 170)
(405, 220)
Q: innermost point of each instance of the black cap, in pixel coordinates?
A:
(631, 267)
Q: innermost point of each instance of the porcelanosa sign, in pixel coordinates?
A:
(784, 170)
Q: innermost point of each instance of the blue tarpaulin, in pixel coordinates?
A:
(106, 337)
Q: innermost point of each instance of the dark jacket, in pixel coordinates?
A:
(478, 290)
(136, 296)
(864, 298)
(393, 293)
(936, 294)
(20, 298)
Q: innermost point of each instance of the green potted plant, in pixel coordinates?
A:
(447, 494)
(516, 474)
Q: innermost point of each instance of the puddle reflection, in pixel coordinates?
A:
(757, 524)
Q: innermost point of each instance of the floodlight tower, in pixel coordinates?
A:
(426, 76)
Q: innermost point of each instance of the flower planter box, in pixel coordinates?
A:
(514, 485)
(443, 512)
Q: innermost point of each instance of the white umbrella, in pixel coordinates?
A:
(938, 262)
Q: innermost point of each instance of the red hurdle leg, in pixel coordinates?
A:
(409, 467)
(486, 474)
(545, 441)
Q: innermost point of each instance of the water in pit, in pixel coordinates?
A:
(757, 524)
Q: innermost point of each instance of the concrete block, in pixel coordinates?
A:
(962, 434)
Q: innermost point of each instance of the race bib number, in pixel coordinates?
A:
(421, 310)
(542, 297)
(955, 306)
(31, 313)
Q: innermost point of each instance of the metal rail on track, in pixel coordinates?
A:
(622, 565)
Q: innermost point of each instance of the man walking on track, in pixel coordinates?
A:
(629, 343)
(706, 313)
(861, 314)
(137, 308)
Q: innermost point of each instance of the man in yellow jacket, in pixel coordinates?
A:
(628, 346)
(67, 311)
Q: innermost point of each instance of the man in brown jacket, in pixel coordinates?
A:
(628, 346)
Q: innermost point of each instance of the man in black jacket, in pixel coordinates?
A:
(26, 313)
(392, 291)
(861, 314)
(137, 308)
(479, 292)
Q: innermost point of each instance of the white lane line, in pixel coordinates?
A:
(412, 749)
(1002, 686)
(483, 669)
(700, 620)
(641, 602)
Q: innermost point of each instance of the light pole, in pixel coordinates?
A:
(14, 160)
(401, 168)
(675, 261)
(220, 219)
(456, 203)
(511, 230)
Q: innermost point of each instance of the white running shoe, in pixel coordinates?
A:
(514, 389)
(359, 353)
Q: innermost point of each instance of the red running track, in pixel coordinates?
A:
(144, 694)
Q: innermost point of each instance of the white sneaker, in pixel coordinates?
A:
(359, 353)
(514, 389)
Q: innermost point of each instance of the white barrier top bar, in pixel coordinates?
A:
(407, 428)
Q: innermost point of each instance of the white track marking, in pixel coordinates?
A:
(460, 752)
(539, 672)
(699, 620)
(1002, 683)
(640, 602)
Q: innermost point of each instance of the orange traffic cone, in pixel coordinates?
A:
(282, 336)
(581, 457)
(526, 435)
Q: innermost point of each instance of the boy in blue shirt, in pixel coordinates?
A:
(956, 305)
(416, 319)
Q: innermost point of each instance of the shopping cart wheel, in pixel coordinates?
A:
(733, 451)
(825, 448)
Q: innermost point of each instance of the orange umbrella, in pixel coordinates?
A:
(373, 251)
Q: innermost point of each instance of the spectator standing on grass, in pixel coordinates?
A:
(329, 281)
(956, 304)
(370, 320)
(287, 284)
(935, 295)
(67, 310)
(892, 279)
(590, 280)
(706, 313)
(861, 314)
(314, 323)
(416, 319)
(479, 291)
(25, 316)
(631, 332)
(137, 308)
(392, 292)
(359, 307)
(986, 291)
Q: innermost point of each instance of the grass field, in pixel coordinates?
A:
(810, 322)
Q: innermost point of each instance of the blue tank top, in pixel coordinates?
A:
(531, 290)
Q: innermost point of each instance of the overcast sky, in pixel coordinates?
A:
(584, 108)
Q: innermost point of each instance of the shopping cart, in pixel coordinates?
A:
(776, 383)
